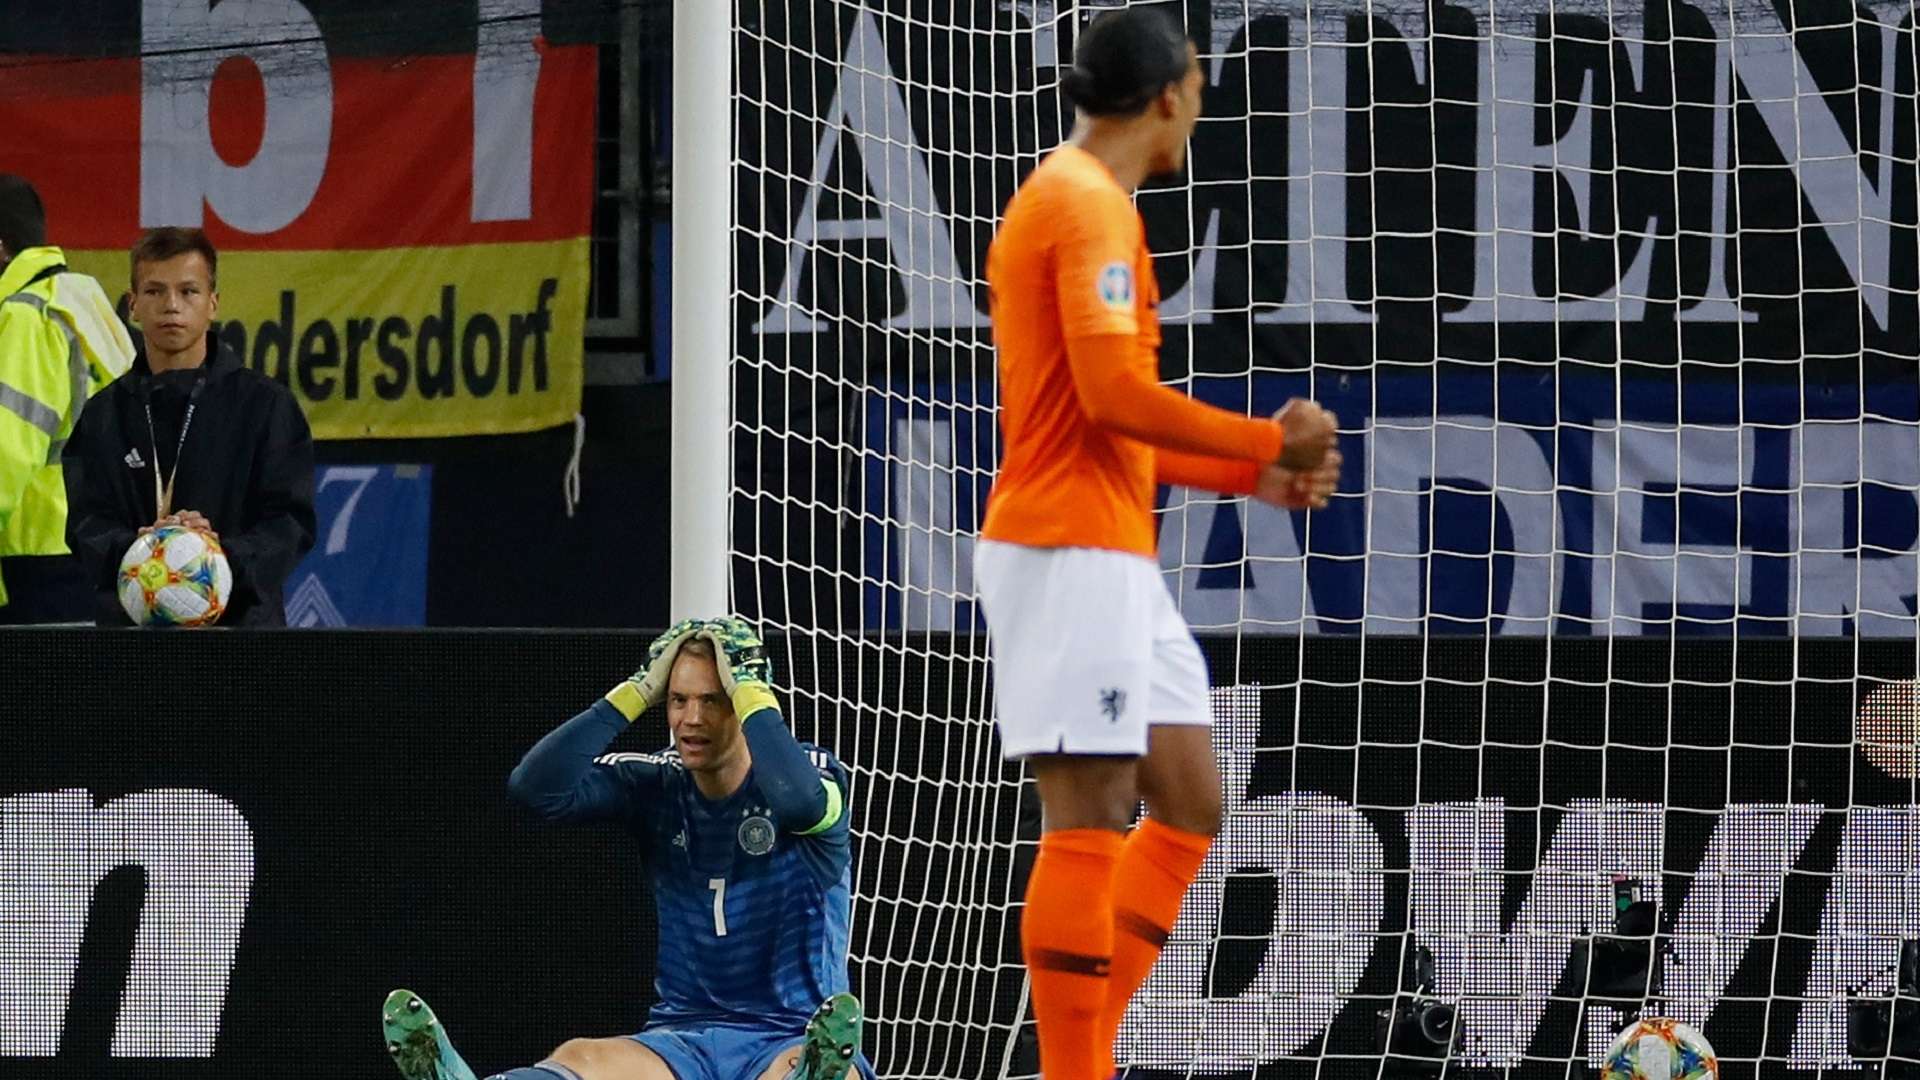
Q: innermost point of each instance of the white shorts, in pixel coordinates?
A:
(1088, 650)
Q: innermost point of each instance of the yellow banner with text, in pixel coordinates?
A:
(406, 342)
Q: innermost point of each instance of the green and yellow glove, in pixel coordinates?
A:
(746, 673)
(647, 686)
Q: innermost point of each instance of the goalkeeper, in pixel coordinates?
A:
(743, 831)
(1099, 685)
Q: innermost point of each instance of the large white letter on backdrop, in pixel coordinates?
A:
(182, 44)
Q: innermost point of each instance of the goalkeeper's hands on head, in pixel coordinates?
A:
(648, 686)
(746, 674)
(800, 799)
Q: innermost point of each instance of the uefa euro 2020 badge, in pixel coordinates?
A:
(756, 835)
(1116, 285)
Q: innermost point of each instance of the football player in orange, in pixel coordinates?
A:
(1100, 687)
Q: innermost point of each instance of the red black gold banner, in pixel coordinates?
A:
(403, 241)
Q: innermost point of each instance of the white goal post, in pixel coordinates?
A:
(702, 338)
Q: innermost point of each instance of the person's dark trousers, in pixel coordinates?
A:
(45, 589)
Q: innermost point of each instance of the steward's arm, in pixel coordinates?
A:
(95, 530)
(33, 403)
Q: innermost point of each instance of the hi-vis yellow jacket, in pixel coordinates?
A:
(60, 341)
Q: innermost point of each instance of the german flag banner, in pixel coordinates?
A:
(403, 240)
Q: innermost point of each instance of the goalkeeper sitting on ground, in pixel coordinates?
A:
(744, 835)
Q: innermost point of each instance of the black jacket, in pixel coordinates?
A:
(247, 464)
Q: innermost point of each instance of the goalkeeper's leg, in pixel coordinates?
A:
(421, 1050)
(417, 1041)
(831, 1046)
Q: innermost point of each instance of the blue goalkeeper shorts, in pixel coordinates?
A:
(724, 1052)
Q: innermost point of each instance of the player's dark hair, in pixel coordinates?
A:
(159, 245)
(23, 220)
(1123, 60)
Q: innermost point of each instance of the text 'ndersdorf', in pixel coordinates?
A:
(439, 355)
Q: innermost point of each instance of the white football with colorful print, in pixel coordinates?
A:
(1658, 1048)
(175, 576)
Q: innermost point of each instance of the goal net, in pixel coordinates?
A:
(1592, 695)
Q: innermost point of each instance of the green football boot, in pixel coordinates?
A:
(833, 1040)
(417, 1041)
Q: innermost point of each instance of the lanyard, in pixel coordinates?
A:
(163, 497)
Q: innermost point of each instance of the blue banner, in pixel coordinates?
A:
(368, 566)
(1528, 501)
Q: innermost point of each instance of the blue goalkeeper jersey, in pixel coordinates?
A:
(753, 917)
(753, 920)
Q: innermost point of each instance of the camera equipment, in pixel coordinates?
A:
(1623, 960)
(1879, 1028)
(1417, 1025)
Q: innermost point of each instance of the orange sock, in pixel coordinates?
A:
(1157, 864)
(1066, 936)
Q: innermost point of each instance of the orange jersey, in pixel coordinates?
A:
(1078, 335)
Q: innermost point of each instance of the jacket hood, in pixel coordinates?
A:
(26, 264)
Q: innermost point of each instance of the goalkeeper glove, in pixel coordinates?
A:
(746, 674)
(645, 687)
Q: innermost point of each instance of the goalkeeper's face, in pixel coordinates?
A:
(699, 714)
